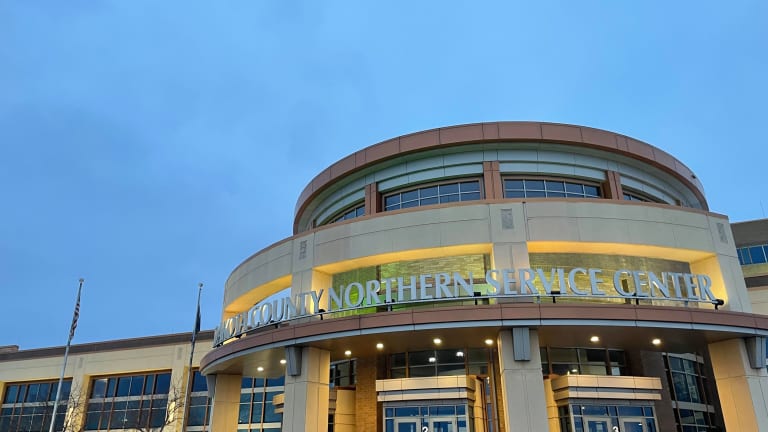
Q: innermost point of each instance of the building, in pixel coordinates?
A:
(510, 276)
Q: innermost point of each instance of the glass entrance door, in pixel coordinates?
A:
(407, 425)
(442, 424)
(597, 424)
(629, 424)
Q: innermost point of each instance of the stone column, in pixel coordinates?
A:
(226, 402)
(743, 390)
(306, 394)
(522, 386)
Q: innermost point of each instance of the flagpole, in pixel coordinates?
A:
(195, 331)
(75, 316)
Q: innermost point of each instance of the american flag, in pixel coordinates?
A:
(76, 314)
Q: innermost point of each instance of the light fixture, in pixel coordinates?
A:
(574, 371)
(282, 361)
(489, 342)
(656, 341)
(594, 339)
(459, 353)
(379, 345)
(432, 359)
(260, 369)
(347, 353)
(437, 341)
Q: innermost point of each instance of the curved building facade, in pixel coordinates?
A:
(511, 276)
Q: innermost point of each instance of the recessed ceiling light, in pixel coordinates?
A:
(379, 345)
(282, 361)
(594, 339)
(489, 341)
(656, 341)
(260, 369)
(437, 341)
(432, 359)
(347, 353)
(459, 353)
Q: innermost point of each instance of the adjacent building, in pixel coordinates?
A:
(510, 276)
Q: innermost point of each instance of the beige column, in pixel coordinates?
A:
(743, 391)
(226, 402)
(306, 395)
(522, 386)
(366, 402)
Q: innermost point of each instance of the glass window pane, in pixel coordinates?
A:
(556, 186)
(392, 200)
(513, 184)
(199, 383)
(428, 192)
(32, 393)
(449, 198)
(123, 386)
(534, 185)
(535, 194)
(591, 191)
(10, 394)
(470, 196)
(428, 201)
(556, 194)
(137, 385)
(111, 385)
(514, 194)
(757, 255)
(562, 355)
(277, 381)
(256, 413)
(630, 411)
(450, 188)
(409, 204)
(470, 186)
(409, 196)
(574, 188)
(163, 383)
(421, 371)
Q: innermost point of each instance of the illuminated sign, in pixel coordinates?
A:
(504, 283)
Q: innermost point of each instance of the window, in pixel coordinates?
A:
(549, 188)
(199, 411)
(439, 363)
(135, 401)
(757, 254)
(582, 361)
(352, 213)
(632, 195)
(434, 194)
(257, 409)
(690, 392)
(28, 407)
(343, 373)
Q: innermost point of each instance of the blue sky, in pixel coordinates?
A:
(147, 146)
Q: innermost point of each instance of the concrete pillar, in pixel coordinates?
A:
(226, 402)
(522, 386)
(743, 391)
(306, 395)
(345, 417)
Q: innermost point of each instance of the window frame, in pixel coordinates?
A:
(437, 183)
(565, 180)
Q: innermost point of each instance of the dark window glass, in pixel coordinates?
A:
(157, 417)
(515, 194)
(756, 254)
(630, 411)
(442, 410)
(149, 384)
(407, 412)
(591, 191)
(428, 192)
(409, 204)
(429, 201)
(409, 196)
(31, 393)
(421, 371)
(556, 194)
(594, 355)
(535, 194)
(574, 188)
(198, 382)
(163, 383)
(269, 409)
(247, 382)
(449, 198)
(398, 360)
(392, 200)
(256, 413)
(137, 385)
(596, 410)
(469, 186)
(534, 185)
(123, 386)
(556, 186)
(11, 393)
(513, 184)
(111, 386)
(450, 188)
(470, 196)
